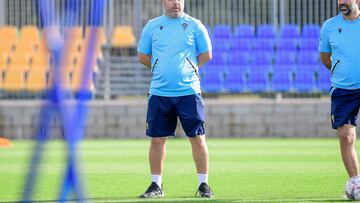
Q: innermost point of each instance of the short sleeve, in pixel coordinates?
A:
(203, 43)
(144, 45)
(324, 44)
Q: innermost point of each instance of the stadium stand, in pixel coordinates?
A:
(123, 36)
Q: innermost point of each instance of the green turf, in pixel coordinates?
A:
(241, 170)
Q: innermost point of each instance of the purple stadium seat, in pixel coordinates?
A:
(311, 31)
(257, 81)
(244, 31)
(323, 81)
(211, 81)
(289, 31)
(222, 31)
(309, 44)
(235, 78)
(221, 44)
(262, 44)
(281, 81)
(287, 44)
(262, 58)
(239, 58)
(219, 58)
(308, 58)
(266, 31)
(244, 44)
(304, 81)
(285, 58)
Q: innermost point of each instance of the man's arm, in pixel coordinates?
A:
(145, 59)
(204, 58)
(326, 59)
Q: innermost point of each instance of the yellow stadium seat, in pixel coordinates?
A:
(74, 45)
(8, 32)
(102, 39)
(76, 81)
(29, 32)
(123, 36)
(20, 60)
(26, 45)
(40, 61)
(36, 81)
(4, 60)
(7, 45)
(75, 32)
(14, 81)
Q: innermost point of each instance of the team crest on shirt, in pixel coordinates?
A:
(184, 26)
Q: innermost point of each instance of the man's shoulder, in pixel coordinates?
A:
(155, 21)
(191, 19)
(332, 21)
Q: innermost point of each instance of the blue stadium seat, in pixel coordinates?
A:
(324, 82)
(289, 31)
(222, 31)
(309, 44)
(285, 58)
(221, 44)
(288, 44)
(244, 31)
(262, 58)
(266, 31)
(308, 58)
(304, 81)
(211, 81)
(219, 58)
(244, 44)
(234, 80)
(311, 31)
(239, 58)
(257, 81)
(281, 81)
(262, 44)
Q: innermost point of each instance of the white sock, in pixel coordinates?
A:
(157, 179)
(203, 178)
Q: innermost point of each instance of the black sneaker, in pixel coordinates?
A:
(153, 191)
(205, 191)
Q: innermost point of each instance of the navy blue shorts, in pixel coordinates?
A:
(163, 112)
(345, 106)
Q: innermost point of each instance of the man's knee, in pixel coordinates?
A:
(158, 142)
(346, 134)
(198, 141)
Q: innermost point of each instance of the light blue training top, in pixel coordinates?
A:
(174, 44)
(341, 38)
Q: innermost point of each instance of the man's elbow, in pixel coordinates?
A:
(208, 57)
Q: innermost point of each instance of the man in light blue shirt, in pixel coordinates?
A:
(173, 46)
(340, 52)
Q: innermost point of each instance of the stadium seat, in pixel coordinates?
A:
(287, 44)
(289, 31)
(323, 81)
(36, 81)
(263, 44)
(257, 81)
(26, 46)
(29, 32)
(311, 31)
(234, 80)
(308, 58)
(211, 82)
(309, 44)
(243, 44)
(221, 44)
(4, 60)
(123, 36)
(244, 31)
(285, 58)
(219, 58)
(8, 32)
(222, 31)
(19, 61)
(14, 81)
(40, 61)
(7, 45)
(76, 82)
(266, 31)
(239, 58)
(262, 58)
(74, 32)
(281, 81)
(304, 81)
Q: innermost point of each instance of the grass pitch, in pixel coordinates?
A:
(241, 170)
